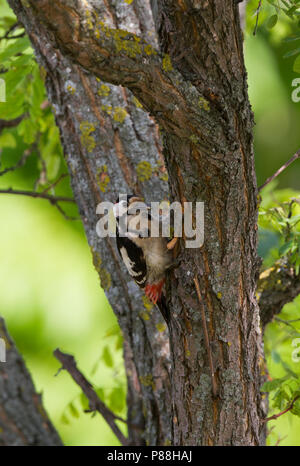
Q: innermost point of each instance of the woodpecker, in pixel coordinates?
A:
(146, 258)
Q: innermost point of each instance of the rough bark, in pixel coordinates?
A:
(113, 146)
(23, 420)
(196, 88)
(223, 177)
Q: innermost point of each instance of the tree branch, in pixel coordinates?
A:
(54, 200)
(280, 170)
(10, 123)
(23, 420)
(277, 286)
(69, 364)
(122, 58)
(56, 182)
(116, 56)
(184, 33)
(10, 30)
(257, 16)
(276, 416)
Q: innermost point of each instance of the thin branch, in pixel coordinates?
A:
(22, 34)
(11, 123)
(20, 163)
(286, 322)
(257, 15)
(289, 321)
(69, 364)
(56, 182)
(54, 200)
(281, 169)
(276, 416)
(67, 217)
(11, 29)
(280, 439)
(206, 339)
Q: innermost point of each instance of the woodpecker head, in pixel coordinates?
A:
(131, 214)
(123, 203)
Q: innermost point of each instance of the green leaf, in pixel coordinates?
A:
(296, 408)
(293, 219)
(7, 140)
(292, 10)
(100, 393)
(84, 402)
(117, 399)
(272, 385)
(272, 21)
(64, 419)
(73, 410)
(53, 166)
(7, 21)
(115, 330)
(280, 398)
(276, 357)
(49, 148)
(107, 357)
(291, 53)
(119, 342)
(19, 46)
(27, 130)
(285, 248)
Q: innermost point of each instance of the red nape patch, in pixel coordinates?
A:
(153, 292)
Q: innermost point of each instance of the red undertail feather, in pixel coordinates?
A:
(153, 292)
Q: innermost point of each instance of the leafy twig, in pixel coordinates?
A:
(275, 416)
(280, 170)
(69, 364)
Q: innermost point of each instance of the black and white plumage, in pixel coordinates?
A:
(146, 258)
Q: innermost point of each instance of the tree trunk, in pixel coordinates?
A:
(194, 84)
(219, 172)
(23, 420)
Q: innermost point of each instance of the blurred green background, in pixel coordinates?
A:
(49, 291)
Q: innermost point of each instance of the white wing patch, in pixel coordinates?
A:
(129, 264)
